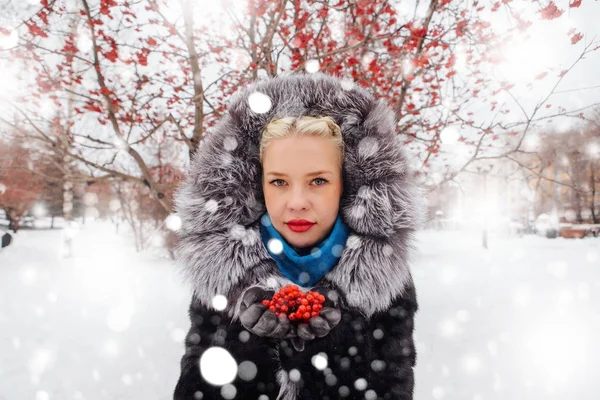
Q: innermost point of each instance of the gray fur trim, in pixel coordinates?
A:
(288, 390)
(220, 201)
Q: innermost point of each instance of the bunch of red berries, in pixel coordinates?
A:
(295, 304)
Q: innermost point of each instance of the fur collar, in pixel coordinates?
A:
(220, 201)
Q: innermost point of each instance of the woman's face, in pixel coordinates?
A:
(293, 189)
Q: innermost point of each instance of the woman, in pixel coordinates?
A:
(250, 180)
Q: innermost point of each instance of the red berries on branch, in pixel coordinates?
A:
(295, 304)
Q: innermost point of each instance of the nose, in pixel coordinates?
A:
(298, 199)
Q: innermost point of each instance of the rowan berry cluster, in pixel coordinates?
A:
(295, 304)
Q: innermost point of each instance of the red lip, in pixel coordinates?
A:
(299, 222)
(300, 225)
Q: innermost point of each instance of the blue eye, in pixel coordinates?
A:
(276, 180)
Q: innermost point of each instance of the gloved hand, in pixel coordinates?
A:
(261, 321)
(319, 326)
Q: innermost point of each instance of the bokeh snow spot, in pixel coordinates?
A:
(265, 220)
(353, 242)
(522, 295)
(472, 364)
(228, 391)
(360, 384)
(244, 336)
(219, 302)
(378, 334)
(304, 277)
(344, 391)
(448, 274)
(226, 160)
(42, 395)
(230, 143)
(178, 335)
(438, 392)
(319, 361)
(368, 147)
(337, 250)
(347, 84)
(312, 66)
(114, 205)
(448, 328)
(275, 246)
(217, 366)
(358, 211)
(463, 315)
(29, 275)
(211, 206)
(492, 346)
(331, 380)
(127, 380)
(558, 269)
(377, 365)
(247, 370)
(110, 348)
(173, 222)
(295, 375)
(260, 103)
(449, 136)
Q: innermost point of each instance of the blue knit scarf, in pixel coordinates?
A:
(305, 270)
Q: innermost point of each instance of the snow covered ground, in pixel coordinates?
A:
(518, 321)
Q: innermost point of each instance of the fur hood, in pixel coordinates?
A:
(221, 201)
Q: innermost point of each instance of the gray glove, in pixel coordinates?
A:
(261, 321)
(319, 326)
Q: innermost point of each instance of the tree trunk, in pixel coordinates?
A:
(593, 188)
(67, 212)
(14, 220)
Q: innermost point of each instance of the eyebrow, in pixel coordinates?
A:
(309, 174)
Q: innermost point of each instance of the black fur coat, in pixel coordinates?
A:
(371, 353)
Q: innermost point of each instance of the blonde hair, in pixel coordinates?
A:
(302, 126)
